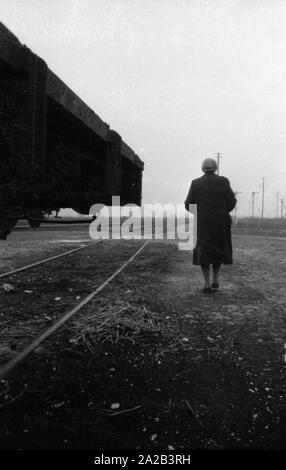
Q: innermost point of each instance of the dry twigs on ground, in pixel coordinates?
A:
(117, 322)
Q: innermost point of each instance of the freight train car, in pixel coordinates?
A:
(55, 151)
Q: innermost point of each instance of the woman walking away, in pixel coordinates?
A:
(215, 200)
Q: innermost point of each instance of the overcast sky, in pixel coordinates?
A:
(179, 79)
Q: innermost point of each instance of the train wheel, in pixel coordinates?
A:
(34, 223)
(5, 227)
(13, 221)
(34, 218)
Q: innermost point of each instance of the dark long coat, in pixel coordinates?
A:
(215, 199)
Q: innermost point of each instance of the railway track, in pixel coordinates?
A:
(52, 258)
(29, 348)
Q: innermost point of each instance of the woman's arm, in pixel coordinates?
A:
(230, 197)
(191, 199)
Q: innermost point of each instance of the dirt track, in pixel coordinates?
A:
(210, 376)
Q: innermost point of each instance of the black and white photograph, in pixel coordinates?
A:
(142, 230)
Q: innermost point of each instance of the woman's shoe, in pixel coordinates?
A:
(215, 285)
(207, 290)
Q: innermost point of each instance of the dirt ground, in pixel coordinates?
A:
(200, 371)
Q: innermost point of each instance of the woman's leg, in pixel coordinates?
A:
(216, 268)
(206, 273)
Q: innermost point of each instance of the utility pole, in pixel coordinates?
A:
(282, 207)
(277, 205)
(218, 157)
(253, 195)
(262, 203)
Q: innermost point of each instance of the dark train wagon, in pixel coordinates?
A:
(55, 152)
